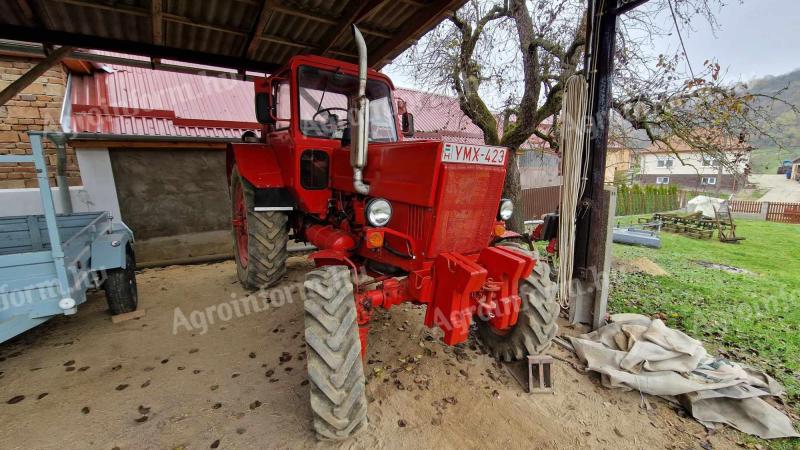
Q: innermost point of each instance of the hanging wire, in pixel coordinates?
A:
(571, 143)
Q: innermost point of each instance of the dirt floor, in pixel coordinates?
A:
(639, 265)
(88, 383)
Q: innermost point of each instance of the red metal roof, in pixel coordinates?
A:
(439, 117)
(135, 101)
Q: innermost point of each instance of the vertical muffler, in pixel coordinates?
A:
(359, 125)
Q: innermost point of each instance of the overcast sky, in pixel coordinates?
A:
(755, 38)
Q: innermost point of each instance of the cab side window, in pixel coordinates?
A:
(283, 109)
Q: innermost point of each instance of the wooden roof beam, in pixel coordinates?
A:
(34, 73)
(157, 11)
(433, 13)
(353, 12)
(34, 13)
(263, 17)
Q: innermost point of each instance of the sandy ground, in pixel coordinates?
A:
(780, 189)
(91, 384)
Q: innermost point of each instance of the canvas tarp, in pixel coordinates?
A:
(704, 204)
(635, 352)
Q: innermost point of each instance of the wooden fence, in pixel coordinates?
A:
(538, 201)
(747, 207)
(783, 212)
(772, 211)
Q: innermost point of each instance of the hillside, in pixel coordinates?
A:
(785, 123)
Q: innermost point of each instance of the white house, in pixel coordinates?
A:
(689, 168)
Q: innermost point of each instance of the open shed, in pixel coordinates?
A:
(254, 35)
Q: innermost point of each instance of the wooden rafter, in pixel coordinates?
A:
(263, 17)
(193, 23)
(327, 20)
(353, 12)
(156, 10)
(34, 13)
(432, 12)
(115, 8)
(33, 73)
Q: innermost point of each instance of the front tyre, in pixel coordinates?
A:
(335, 370)
(536, 325)
(260, 238)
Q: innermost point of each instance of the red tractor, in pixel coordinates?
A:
(393, 221)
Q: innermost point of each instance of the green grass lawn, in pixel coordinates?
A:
(752, 318)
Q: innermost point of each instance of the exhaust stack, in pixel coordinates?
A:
(360, 125)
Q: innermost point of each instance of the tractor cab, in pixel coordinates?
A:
(312, 98)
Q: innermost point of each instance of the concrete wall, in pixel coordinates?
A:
(37, 107)
(175, 201)
(24, 202)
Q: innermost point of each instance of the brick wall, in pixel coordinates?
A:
(38, 107)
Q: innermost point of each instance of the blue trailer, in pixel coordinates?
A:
(49, 261)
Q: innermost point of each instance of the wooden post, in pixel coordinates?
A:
(764, 210)
(35, 72)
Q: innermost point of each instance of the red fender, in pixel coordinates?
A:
(257, 163)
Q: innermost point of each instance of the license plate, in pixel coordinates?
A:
(473, 154)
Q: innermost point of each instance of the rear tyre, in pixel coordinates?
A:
(260, 238)
(335, 370)
(536, 325)
(120, 286)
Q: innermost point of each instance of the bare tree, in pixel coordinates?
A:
(508, 62)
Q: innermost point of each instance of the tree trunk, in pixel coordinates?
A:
(512, 189)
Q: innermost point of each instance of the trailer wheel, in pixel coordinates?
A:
(120, 286)
(335, 370)
(259, 238)
(536, 325)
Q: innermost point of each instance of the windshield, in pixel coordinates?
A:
(324, 105)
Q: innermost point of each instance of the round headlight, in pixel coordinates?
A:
(378, 212)
(506, 209)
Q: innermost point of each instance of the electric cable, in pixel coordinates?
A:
(571, 142)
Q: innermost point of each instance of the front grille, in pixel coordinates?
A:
(467, 207)
(416, 222)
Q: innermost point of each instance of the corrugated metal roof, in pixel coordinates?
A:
(439, 117)
(135, 101)
(258, 35)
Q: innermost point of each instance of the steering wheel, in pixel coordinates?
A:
(340, 123)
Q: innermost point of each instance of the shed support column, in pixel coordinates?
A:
(98, 180)
(34, 73)
(591, 240)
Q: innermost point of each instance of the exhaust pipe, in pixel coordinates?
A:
(359, 129)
